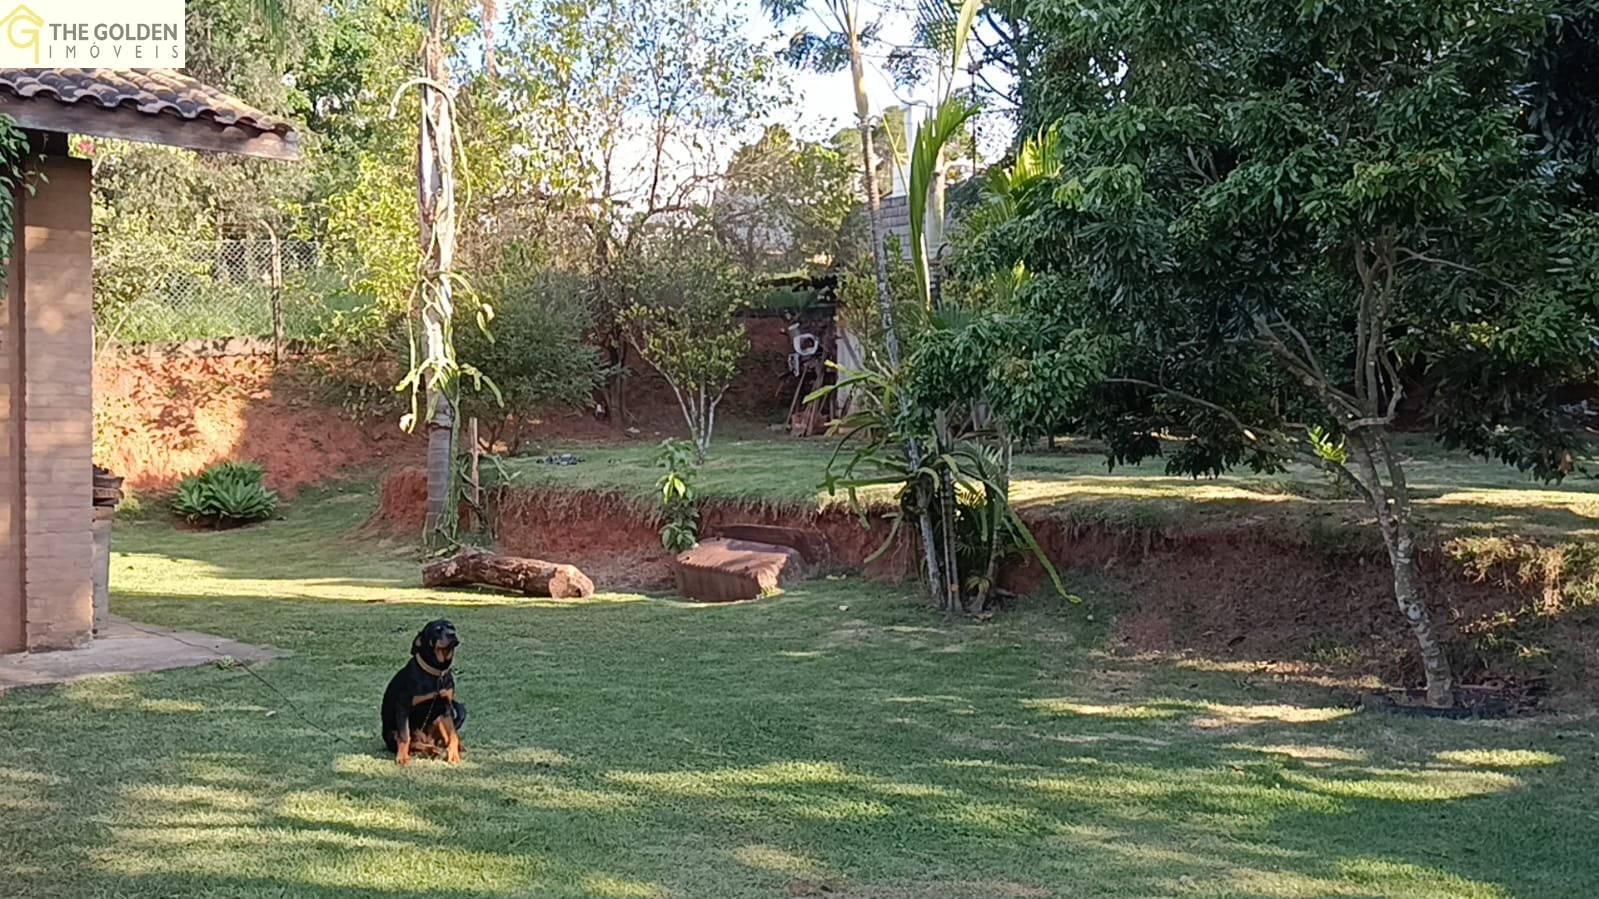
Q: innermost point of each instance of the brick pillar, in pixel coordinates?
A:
(54, 422)
(13, 621)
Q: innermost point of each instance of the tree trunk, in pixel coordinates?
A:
(1390, 502)
(612, 338)
(1413, 603)
(1375, 395)
(710, 420)
(950, 588)
(702, 440)
(616, 387)
(533, 577)
(874, 203)
(437, 523)
(436, 215)
(933, 225)
(885, 303)
(514, 442)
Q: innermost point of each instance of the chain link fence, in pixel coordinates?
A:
(246, 287)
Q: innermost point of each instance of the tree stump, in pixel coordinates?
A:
(533, 577)
(723, 570)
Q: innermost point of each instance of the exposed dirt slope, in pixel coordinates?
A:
(1263, 597)
(157, 421)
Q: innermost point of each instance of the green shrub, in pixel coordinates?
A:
(536, 356)
(356, 363)
(226, 494)
(680, 514)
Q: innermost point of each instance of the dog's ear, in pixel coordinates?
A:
(416, 645)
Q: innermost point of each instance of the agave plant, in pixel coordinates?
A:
(225, 494)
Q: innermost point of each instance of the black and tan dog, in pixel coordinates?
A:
(420, 713)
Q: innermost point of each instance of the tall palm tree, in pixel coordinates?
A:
(435, 201)
(435, 304)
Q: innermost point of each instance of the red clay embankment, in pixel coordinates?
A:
(165, 412)
(158, 420)
(1257, 593)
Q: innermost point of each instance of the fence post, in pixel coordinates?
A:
(277, 296)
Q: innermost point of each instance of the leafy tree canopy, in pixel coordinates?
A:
(1243, 188)
(783, 203)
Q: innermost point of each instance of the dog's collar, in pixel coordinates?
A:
(421, 663)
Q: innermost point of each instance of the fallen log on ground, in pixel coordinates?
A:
(533, 577)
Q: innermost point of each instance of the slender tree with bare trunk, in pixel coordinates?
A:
(435, 203)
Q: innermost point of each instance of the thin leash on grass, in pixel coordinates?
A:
(293, 706)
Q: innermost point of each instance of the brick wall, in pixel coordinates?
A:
(897, 221)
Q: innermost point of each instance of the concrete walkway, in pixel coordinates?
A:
(125, 647)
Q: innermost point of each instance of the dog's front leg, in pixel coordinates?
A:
(402, 741)
(400, 716)
(452, 740)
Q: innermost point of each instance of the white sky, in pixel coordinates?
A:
(825, 103)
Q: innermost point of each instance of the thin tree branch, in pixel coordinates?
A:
(1338, 401)
(1413, 256)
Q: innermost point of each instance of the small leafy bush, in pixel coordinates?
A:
(680, 458)
(227, 494)
(536, 355)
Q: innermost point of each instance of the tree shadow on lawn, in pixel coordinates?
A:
(754, 751)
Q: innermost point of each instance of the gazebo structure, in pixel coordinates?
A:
(47, 321)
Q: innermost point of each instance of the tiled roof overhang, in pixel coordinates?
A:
(162, 106)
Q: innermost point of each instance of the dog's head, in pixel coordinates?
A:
(436, 643)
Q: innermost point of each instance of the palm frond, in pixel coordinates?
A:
(929, 146)
(963, 30)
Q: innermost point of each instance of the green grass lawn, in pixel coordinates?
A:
(1457, 494)
(839, 740)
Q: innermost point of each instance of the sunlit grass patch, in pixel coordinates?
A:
(772, 858)
(377, 813)
(618, 888)
(1223, 715)
(1309, 753)
(1353, 878)
(1402, 785)
(719, 782)
(1117, 711)
(1498, 758)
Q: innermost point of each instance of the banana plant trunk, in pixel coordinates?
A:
(885, 307)
(436, 217)
(996, 506)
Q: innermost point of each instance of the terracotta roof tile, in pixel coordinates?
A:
(150, 91)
